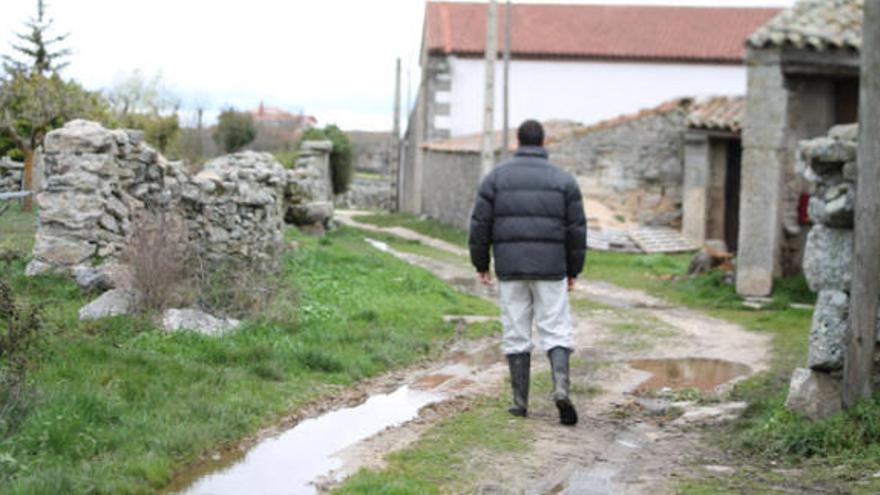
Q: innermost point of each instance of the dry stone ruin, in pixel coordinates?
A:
(832, 166)
(98, 182)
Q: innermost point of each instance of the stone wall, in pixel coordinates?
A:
(367, 193)
(635, 165)
(372, 151)
(828, 262)
(10, 175)
(451, 181)
(99, 180)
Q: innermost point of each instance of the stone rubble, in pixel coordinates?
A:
(116, 302)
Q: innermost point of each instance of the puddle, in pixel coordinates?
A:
(595, 481)
(680, 374)
(381, 246)
(292, 461)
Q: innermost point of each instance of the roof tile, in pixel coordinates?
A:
(814, 25)
(696, 34)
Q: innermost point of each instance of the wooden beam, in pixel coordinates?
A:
(858, 366)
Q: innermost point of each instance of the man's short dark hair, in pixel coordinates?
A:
(531, 133)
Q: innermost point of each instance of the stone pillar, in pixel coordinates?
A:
(696, 183)
(766, 156)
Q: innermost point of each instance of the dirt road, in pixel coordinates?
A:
(636, 435)
(626, 442)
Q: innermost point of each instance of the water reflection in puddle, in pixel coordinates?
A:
(693, 373)
(290, 462)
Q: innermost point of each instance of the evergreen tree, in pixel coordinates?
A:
(37, 48)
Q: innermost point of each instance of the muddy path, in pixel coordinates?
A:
(636, 434)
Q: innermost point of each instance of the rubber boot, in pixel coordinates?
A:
(559, 357)
(520, 366)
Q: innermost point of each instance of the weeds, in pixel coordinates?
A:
(19, 333)
(157, 253)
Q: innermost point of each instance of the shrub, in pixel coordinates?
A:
(157, 253)
(341, 164)
(19, 333)
(252, 293)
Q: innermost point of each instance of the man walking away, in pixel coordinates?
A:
(531, 214)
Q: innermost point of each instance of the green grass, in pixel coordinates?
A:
(428, 227)
(415, 247)
(16, 230)
(443, 459)
(121, 406)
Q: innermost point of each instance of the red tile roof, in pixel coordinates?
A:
(718, 113)
(695, 34)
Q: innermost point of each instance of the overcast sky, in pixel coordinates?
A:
(330, 58)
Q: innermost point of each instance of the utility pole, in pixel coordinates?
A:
(488, 154)
(866, 259)
(396, 153)
(505, 144)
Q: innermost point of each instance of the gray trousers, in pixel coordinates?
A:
(544, 303)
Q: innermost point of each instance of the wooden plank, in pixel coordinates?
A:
(14, 195)
(858, 365)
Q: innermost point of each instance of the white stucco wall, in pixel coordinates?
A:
(587, 92)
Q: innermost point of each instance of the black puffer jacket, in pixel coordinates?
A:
(532, 216)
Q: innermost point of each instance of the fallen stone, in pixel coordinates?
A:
(815, 394)
(115, 302)
(830, 321)
(174, 320)
(828, 258)
(110, 275)
(711, 415)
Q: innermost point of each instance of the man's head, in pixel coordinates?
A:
(531, 133)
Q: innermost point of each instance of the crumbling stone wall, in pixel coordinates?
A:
(10, 175)
(828, 263)
(99, 180)
(635, 165)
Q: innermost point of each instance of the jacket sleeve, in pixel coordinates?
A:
(482, 219)
(575, 230)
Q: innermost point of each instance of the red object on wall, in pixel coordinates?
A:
(804, 210)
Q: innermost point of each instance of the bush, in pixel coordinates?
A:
(235, 130)
(341, 163)
(19, 332)
(157, 253)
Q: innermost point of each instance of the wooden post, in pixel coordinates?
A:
(396, 153)
(505, 138)
(28, 179)
(488, 149)
(858, 366)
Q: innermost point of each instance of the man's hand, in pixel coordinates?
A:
(485, 278)
(571, 283)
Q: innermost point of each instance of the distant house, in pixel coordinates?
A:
(278, 129)
(584, 63)
(803, 78)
